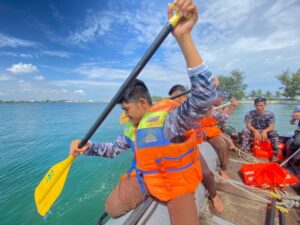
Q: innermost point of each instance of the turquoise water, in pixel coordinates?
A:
(34, 137)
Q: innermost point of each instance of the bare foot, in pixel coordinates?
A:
(224, 174)
(218, 204)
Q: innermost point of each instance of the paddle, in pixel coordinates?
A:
(189, 91)
(52, 184)
(288, 159)
(222, 106)
(124, 118)
(181, 94)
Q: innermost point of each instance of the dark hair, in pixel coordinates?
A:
(259, 99)
(135, 91)
(177, 87)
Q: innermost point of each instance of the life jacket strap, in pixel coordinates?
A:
(139, 177)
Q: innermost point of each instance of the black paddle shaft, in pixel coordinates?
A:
(137, 69)
(181, 94)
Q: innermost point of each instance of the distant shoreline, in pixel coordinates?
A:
(281, 102)
(50, 101)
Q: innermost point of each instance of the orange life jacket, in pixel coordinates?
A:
(267, 175)
(210, 127)
(262, 149)
(168, 169)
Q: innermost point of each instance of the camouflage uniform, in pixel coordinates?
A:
(295, 140)
(260, 122)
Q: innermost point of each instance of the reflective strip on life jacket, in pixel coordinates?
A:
(199, 133)
(170, 170)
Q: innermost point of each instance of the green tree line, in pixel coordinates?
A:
(234, 85)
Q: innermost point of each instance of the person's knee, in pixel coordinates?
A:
(126, 196)
(219, 143)
(114, 207)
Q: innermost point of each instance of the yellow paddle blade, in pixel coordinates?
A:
(123, 118)
(51, 185)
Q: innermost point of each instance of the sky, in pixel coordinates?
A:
(84, 50)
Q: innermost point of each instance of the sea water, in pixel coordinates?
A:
(36, 136)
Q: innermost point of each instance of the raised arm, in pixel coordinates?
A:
(203, 89)
(229, 110)
(182, 32)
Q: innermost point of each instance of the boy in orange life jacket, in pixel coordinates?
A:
(165, 127)
(208, 177)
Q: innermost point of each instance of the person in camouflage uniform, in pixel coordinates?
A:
(294, 142)
(208, 177)
(260, 126)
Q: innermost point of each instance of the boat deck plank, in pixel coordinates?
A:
(241, 208)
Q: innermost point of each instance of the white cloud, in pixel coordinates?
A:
(3, 78)
(56, 13)
(27, 56)
(261, 38)
(85, 83)
(8, 41)
(145, 23)
(39, 78)
(25, 84)
(22, 55)
(61, 54)
(95, 25)
(37, 54)
(80, 92)
(275, 41)
(94, 71)
(22, 68)
(27, 89)
(141, 24)
(227, 14)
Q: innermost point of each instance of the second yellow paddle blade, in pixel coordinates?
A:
(52, 185)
